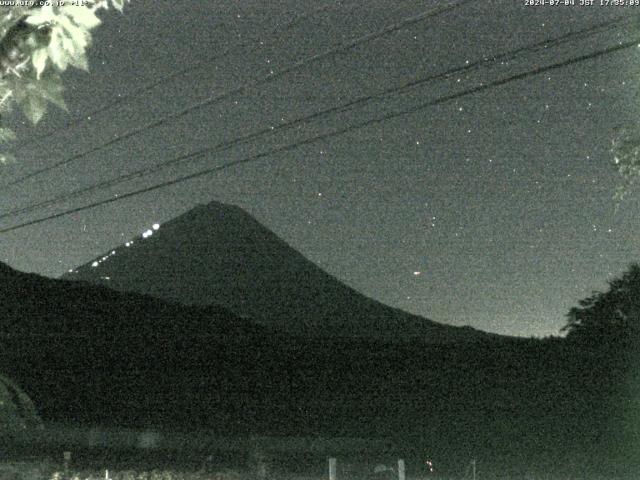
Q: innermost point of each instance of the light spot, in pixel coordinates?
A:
(94, 264)
(156, 226)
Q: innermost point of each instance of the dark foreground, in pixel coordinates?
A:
(70, 453)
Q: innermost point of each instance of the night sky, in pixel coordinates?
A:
(492, 210)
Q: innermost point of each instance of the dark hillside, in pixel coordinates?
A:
(90, 356)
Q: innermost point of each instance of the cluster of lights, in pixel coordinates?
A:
(106, 257)
(429, 465)
(145, 234)
(150, 231)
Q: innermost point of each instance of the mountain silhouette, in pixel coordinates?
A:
(219, 254)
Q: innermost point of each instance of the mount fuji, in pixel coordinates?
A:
(219, 254)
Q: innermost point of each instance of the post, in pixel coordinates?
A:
(262, 470)
(257, 459)
(66, 455)
(401, 469)
(473, 468)
(332, 468)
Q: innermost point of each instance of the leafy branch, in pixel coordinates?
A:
(626, 157)
(38, 42)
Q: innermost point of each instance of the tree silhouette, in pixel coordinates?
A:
(612, 317)
(603, 336)
(17, 412)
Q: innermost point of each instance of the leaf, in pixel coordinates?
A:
(67, 37)
(42, 16)
(58, 56)
(50, 89)
(80, 61)
(82, 16)
(34, 107)
(39, 59)
(6, 92)
(79, 35)
(7, 135)
(6, 158)
(57, 51)
(118, 5)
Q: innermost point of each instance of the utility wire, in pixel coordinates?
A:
(269, 78)
(226, 145)
(334, 133)
(151, 85)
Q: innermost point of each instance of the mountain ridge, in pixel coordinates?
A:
(219, 254)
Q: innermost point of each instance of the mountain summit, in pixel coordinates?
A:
(219, 254)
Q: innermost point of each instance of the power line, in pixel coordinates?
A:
(334, 133)
(151, 85)
(269, 78)
(226, 145)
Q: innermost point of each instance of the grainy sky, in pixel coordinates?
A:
(492, 210)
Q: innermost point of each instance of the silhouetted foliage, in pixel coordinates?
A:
(38, 42)
(603, 335)
(17, 412)
(612, 317)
